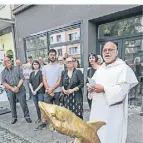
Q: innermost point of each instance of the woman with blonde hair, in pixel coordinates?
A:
(72, 83)
(100, 60)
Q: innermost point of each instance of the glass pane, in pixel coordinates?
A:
(2, 6)
(38, 53)
(64, 36)
(37, 42)
(134, 58)
(72, 50)
(122, 27)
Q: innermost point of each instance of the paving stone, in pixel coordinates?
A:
(26, 131)
(7, 137)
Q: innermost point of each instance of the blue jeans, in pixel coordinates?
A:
(36, 99)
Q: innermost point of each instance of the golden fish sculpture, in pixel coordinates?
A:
(67, 123)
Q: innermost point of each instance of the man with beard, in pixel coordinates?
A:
(113, 79)
(51, 80)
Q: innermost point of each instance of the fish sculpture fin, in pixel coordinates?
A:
(96, 125)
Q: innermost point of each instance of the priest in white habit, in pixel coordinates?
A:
(113, 79)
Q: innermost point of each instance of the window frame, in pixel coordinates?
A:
(118, 36)
(3, 6)
(76, 33)
(62, 28)
(60, 51)
(75, 48)
(57, 39)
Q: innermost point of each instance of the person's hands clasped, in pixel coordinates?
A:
(99, 88)
(34, 93)
(65, 92)
(91, 88)
(50, 90)
(70, 91)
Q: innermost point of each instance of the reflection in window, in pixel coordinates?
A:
(73, 36)
(64, 41)
(122, 27)
(38, 53)
(133, 49)
(59, 52)
(58, 38)
(51, 39)
(134, 58)
(74, 50)
(37, 42)
(2, 6)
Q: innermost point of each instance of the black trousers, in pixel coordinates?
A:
(89, 101)
(21, 96)
(52, 99)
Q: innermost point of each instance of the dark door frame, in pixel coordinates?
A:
(121, 41)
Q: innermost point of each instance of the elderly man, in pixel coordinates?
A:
(18, 63)
(113, 81)
(61, 63)
(41, 61)
(12, 80)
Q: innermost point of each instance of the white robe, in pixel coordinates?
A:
(117, 79)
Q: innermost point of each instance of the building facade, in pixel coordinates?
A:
(84, 28)
(7, 42)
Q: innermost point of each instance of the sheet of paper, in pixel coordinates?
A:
(91, 82)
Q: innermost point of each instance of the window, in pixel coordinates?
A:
(59, 52)
(51, 39)
(37, 42)
(58, 38)
(73, 36)
(2, 6)
(74, 50)
(66, 40)
(38, 53)
(133, 49)
(37, 46)
(121, 27)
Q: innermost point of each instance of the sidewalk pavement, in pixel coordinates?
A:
(26, 131)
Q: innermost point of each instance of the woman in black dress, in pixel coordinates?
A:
(93, 62)
(72, 83)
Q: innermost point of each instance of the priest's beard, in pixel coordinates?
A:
(111, 61)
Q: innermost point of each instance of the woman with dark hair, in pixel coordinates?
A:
(76, 63)
(36, 86)
(93, 59)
